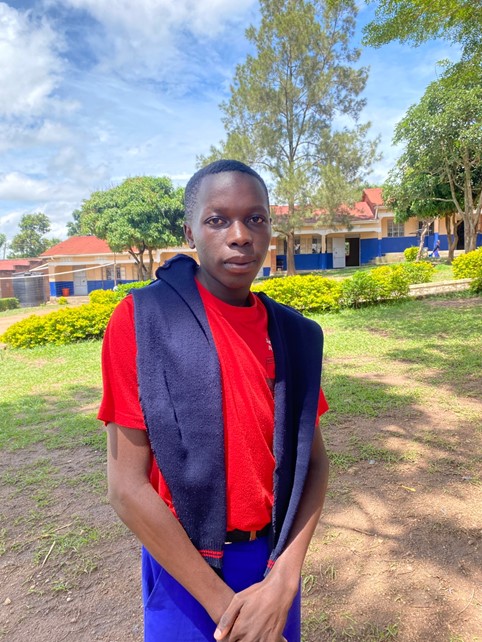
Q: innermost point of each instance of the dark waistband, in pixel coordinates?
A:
(246, 536)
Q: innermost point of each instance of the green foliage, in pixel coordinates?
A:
(393, 281)
(383, 283)
(10, 303)
(30, 241)
(416, 21)
(312, 293)
(360, 289)
(286, 100)
(63, 300)
(124, 288)
(476, 285)
(410, 253)
(440, 169)
(418, 271)
(140, 215)
(467, 266)
(61, 327)
(103, 297)
(304, 293)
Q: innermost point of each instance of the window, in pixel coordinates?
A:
(315, 244)
(395, 229)
(120, 273)
(420, 226)
(297, 245)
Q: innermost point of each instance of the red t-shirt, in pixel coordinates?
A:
(247, 372)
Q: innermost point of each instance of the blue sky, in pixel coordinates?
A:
(94, 91)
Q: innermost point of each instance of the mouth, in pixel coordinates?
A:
(240, 263)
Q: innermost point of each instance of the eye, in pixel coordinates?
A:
(215, 221)
(258, 219)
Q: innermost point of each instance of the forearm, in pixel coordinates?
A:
(289, 564)
(144, 512)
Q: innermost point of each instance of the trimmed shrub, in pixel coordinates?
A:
(124, 288)
(360, 289)
(410, 253)
(476, 285)
(10, 303)
(103, 297)
(308, 293)
(393, 281)
(466, 266)
(60, 327)
(63, 300)
(418, 271)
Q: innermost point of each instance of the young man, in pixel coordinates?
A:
(211, 396)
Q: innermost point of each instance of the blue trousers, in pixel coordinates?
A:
(171, 614)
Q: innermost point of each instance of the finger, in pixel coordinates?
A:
(226, 622)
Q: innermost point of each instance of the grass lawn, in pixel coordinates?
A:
(403, 382)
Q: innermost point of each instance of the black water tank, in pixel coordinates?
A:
(29, 290)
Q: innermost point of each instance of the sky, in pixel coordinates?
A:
(95, 91)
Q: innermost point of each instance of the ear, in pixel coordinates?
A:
(188, 236)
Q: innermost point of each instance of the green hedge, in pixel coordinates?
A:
(410, 253)
(467, 266)
(61, 327)
(9, 304)
(418, 271)
(308, 293)
(476, 285)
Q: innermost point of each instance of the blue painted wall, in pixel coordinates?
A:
(308, 261)
(398, 244)
(368, 250)
(56, 287)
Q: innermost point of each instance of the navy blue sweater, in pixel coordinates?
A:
(180, 393)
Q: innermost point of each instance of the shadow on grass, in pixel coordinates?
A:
(441, 340)
(399, 554)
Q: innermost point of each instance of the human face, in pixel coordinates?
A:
(231, 231)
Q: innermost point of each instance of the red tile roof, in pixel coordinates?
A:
(75, 245)
(360, 210)
(12, 265)
(373, 196)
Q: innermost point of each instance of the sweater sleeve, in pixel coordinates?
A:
(120, 401)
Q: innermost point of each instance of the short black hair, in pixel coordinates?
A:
(217, 167)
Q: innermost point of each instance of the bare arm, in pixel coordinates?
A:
(143, 511)
(259, 613)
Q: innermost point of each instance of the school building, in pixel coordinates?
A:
(368, 234)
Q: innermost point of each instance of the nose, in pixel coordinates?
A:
(239, 234)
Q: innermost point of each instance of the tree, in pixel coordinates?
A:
(412, 194)
(3, 245)
(74, 227)
(30, 241)
(286, 108)
(442, 136)
(140, 215)
(416, 21)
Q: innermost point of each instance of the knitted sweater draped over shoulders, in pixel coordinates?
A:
(181, 398)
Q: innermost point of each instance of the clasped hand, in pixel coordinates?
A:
(257, 614)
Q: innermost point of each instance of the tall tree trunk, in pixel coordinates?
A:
(423, 234)
(151, 263)
(470, 232)
(451, 225)
(290, 253)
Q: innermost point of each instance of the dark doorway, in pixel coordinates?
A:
(352, 252)
(460, 236)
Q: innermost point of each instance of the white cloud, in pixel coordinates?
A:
(153, 39)
(31, 65)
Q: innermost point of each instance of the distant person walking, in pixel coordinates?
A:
(435, 252)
